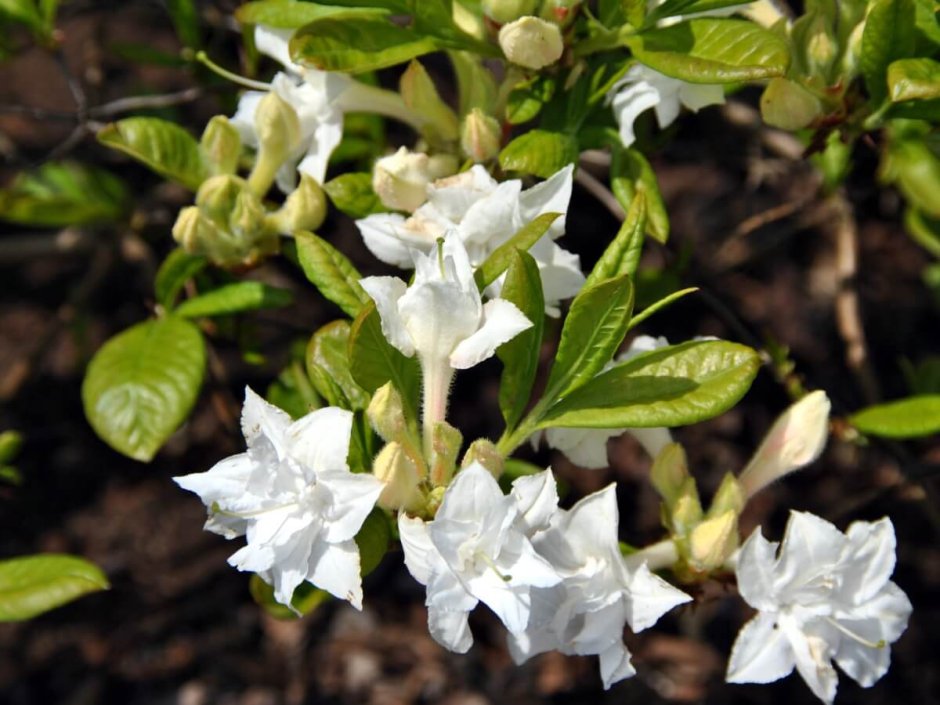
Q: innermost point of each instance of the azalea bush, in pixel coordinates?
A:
(499, 107)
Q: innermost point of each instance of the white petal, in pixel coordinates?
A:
(628, 104)
(754, 567)
(290, 567)
(559, 270)
(653, 440)
(811, 546)
(252, 558)
(420, 554)
(471, 495)
(380, 233)
(494, 219)
(510, 603)
(502, 321)
(274, 43)
(352, 495)
(227, 478)
(326, 137)
(591, 527)
(320, 440)
(615, 664)
(450, 629)
(812, 658)
(550, 196)
(891, 607)
(263, 420)
(334, 567)
(649, 598)
(244, 118)
(536, 497)
(528, 643)
(861, 662)
(696, 96)
(386, 292)
(585, 447)
(439, 315)
(761, 653)
(869, 558)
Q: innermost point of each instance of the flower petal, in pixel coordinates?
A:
(502, 321)
(649, 598)
(551, 196)
(386, 293)
(628, 102)
(334, 567)
(871, 551)
(420, 555)
(536, 497)
(761, 653)
(861, 662)
(754, 568)
(615, 664)
(352, 496)
(381, 233)
(585, 447)
(450, 629)
(320, 440)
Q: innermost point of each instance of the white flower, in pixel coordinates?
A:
(400, 180)
(643, 88)
(292, 495)
(473, 551)
(484, 214)
(587, 447)
(826, 596)
(586, 612)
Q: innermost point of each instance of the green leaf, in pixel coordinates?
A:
(520, 356)
(373, 361)
(185, 18)
(526, 99)
(711, 50)
(888, 36)
(358, 44)
(475, 85)
(593, 330)
(420, 95)
(539, 152)
(24, 11)
(372, 541)
(353, 194)
(674, 8)
(632, 175)
(293, 392)
(290, 14)
(306, 599)
(331, 272)
(672, 386)
(659, 305)
(163, 146)
(32, 585)
(913, 79)
(62, 194)
(234, 298)
(328, 349)
(177, 269)
(10, 444)
(623, 254)
(914, 167)
(142, 384)
(913, 417)
(500, 258)
(924, 230)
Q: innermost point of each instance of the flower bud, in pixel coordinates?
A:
(400, 478)
(192, 229)
(248, 219)
(729, 497)
(400, 180)
(669, 472)
(304, 208)
(853, 49)
(445, 445)
(796, 439)
(420, 95)
(278, 130)
(484, 452)
(480, 136)
(503, 11)
(820, 46)
(221, 145)
(712, 542)
(531, 42)
(217, 195)
(386, 413)
(561, 12)
(686, 512)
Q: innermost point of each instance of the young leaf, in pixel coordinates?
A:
(674, 8)
(353, 194)
(142, 384)
(712, 50)
(522, 240)
(234, 298)
(293, 391)
(372, 541)
(161, 145)
(32, 585)
(623, 254)
(290, 14)
(177, 269)
(520, 356)
(913, 79)
(913, 417)
(373, 361)
(329, 350)
(62, 194)
(539, 152)
(672, 386)
(185, 18)
(888, 36)
(331, 272)
(593, 330)
(632, 175)
(357, 44)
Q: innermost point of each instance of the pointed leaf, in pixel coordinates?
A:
(522, 240)
(331, 272)
(329, 349)
(32, 585)
(631, 175)
(913, 79)
(177, 269)
(372, 541)
(539, 152)
(888, 36)
(290, 14)
(913, 417)
(353, 194)
(234, 298)
(623, 254)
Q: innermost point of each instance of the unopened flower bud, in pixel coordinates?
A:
(192, 228)
(386, 413)
(445, 445)
(484, 452)
(304, 208)
(480, 136)
(217, 195)
(248, 219)
(820, 45)
(686, 512)
(503, 11)
(531, 42)
(853, 49)
(561, 12)
(729, 497)
(669, 472)
(400, 477)
(712, 542)
(221, 145)
(278, 130)
(796, 439)
(400, 180)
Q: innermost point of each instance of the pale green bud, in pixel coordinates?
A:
(788, 105)
(278, 130)
(248, 220)
(481, 136)
(686, 511)
(221, 145)
(853, 49)
(304, 208)
(400, 477)
(192, 229)
(531, 42)
(729, 497)
(386, 412)
(503, 11)
(468, 19)
(820, 45)
(561, 12)
(445, 445)
(420, 95)
(670, 472)
(217, 195)
(484, 452)
(712, 542)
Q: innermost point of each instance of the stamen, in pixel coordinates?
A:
(489, 561)
(440, 255)
(204, 59)
(249, 515)
(856, 637)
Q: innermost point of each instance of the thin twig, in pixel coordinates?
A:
(597, 189)
(145, 102)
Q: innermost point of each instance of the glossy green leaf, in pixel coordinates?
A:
(623, 253)
(712, 50)
(915, 168)
(539, 152)
(526, 99)
(32, 585)
(185, 18)
(913, 79)
(520, 356)
(372, 541)
(373, 361)
(331, 272)
(353, 194)
(163, 146)
(290, 14)
(141, 385)
(632, 175)
(358, 44)
(500, 258)
(234, 298)
(177, 269)
(63, 194)
(913, 417)
(329, 349)
(293, 391)
(887, 37)
(593, 330)
(672, 386)
(675, 8)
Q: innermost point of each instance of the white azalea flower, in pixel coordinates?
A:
(826, 596)
(484, 213)
(292, 495)
(586, 613)
(643, 88)
(473, 551)
(587, 447)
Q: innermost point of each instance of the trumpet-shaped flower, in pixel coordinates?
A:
(293, 497)
(825, 596)
(643, 88)
(474, 551)
(484, 214)
(586, 612)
